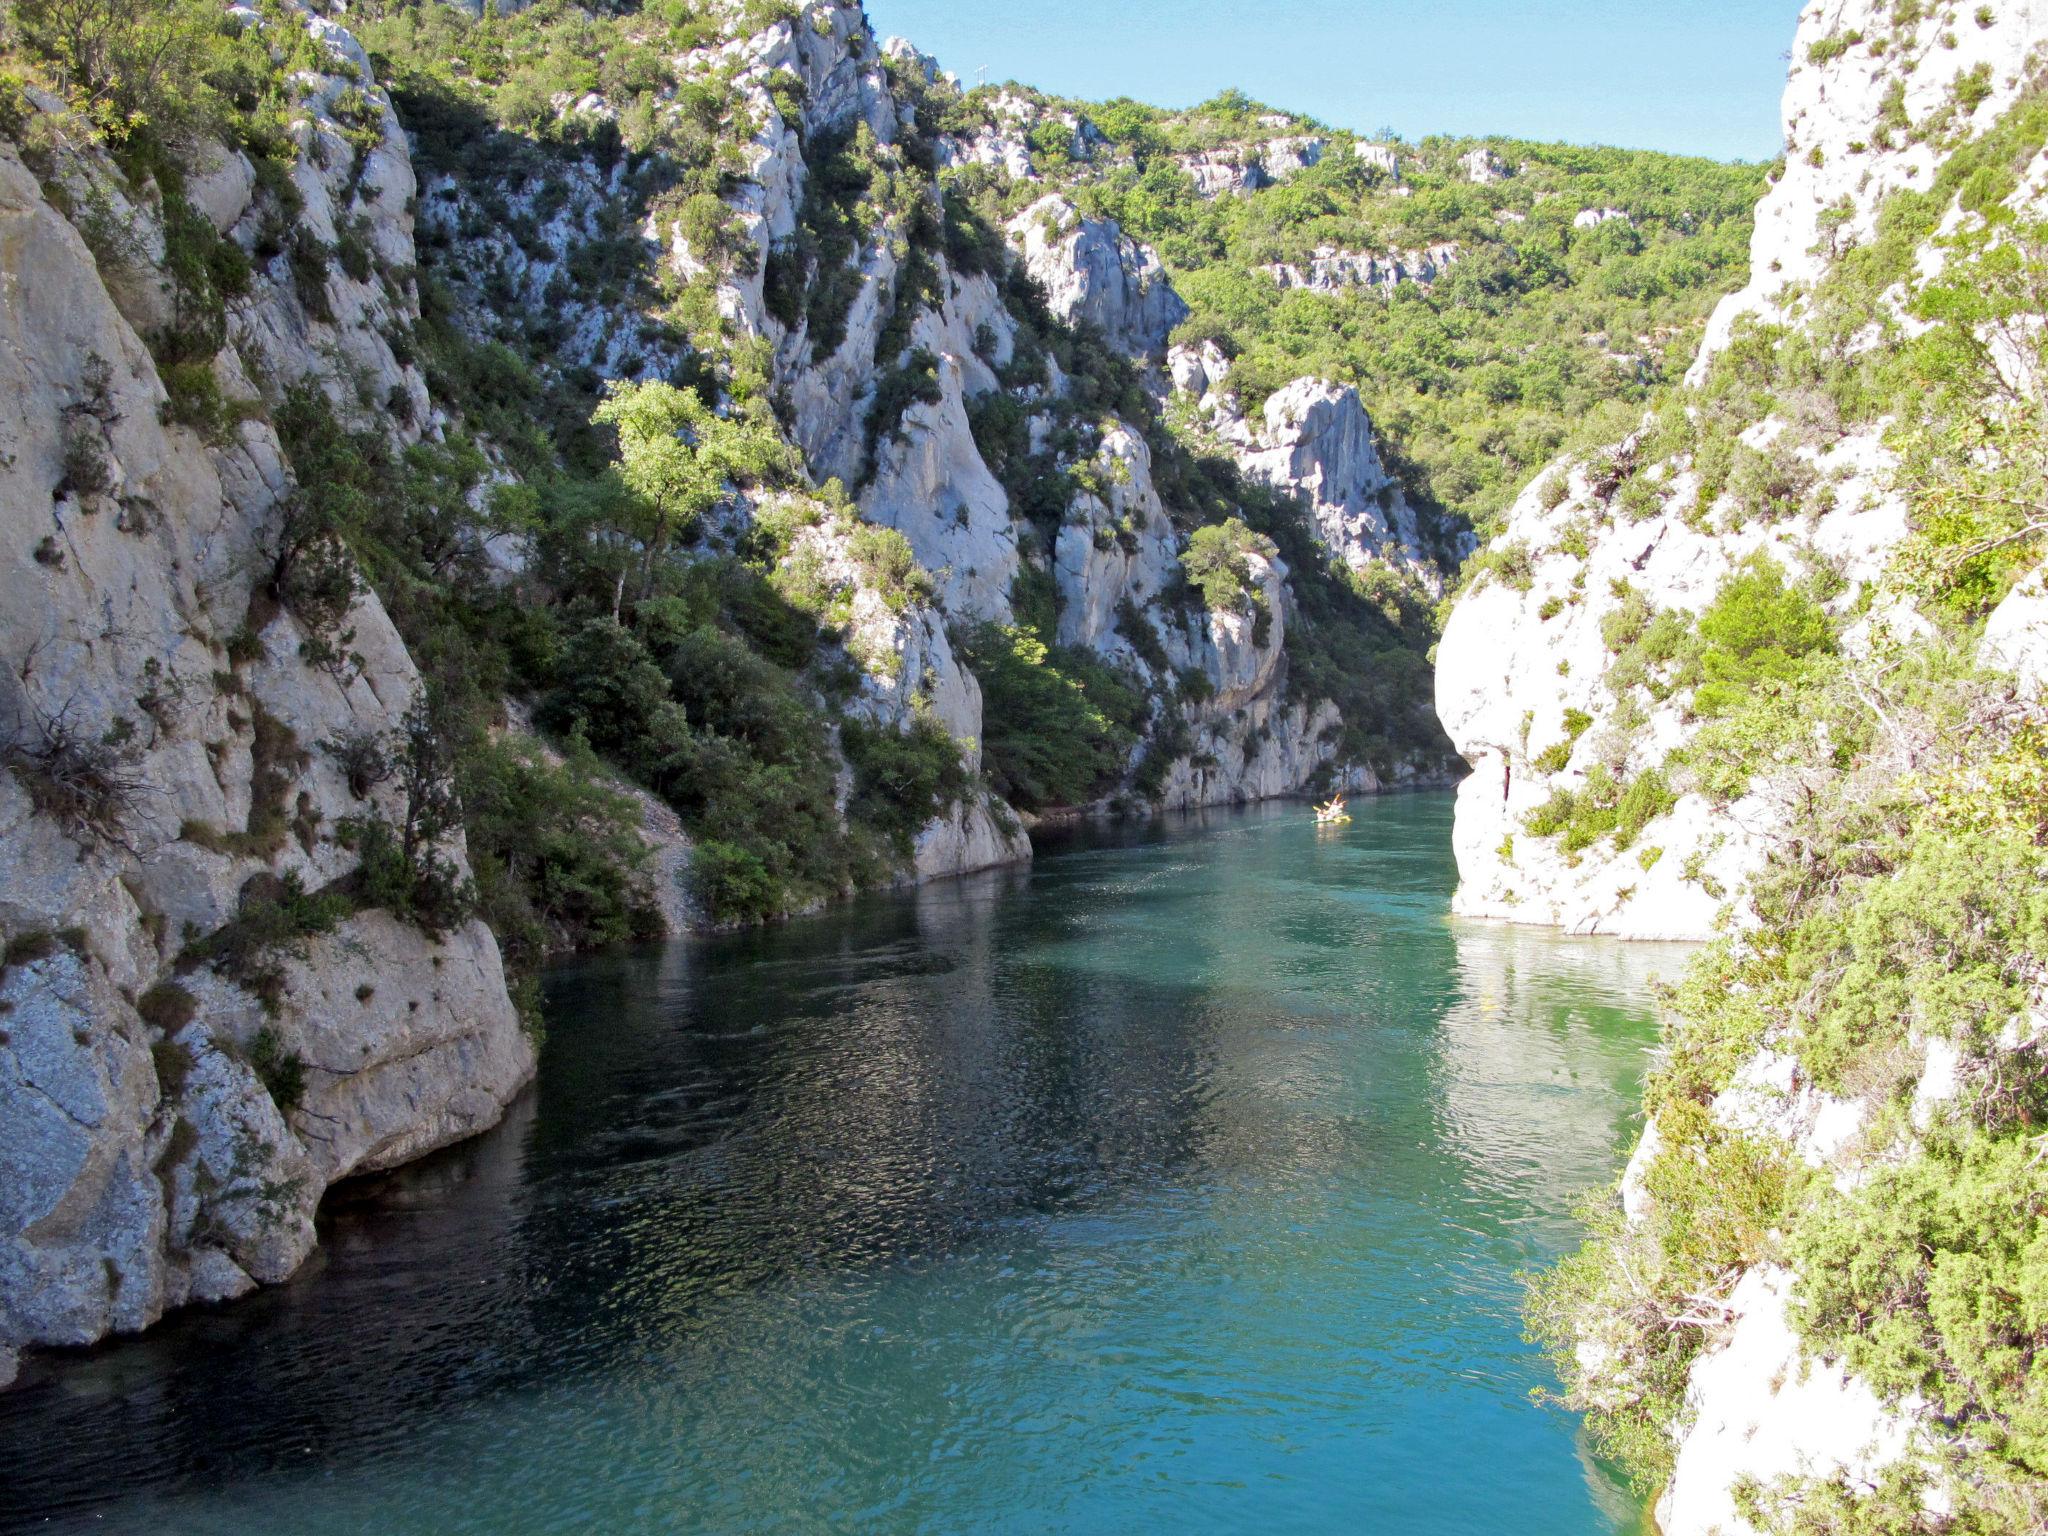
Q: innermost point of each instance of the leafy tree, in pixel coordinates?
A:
(1760, 629)
(1218, 563)
(126, 64)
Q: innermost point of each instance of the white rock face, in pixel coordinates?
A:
(1286, 157)
(1315, 441)
(1593, 218)
(2016, 634)
(1842, 140)
(1093, 272)
(1198, 370)
(1240, 168)
(1221, 172)
(1331, 268)
(1513, 663)
(1523, 690)
(1385, 157)
(976, 834)
(1763, 1411)
(932, 486)
(346, 349)
(1110, 553)
(1483, 166)
(1509, 679)
(909, 672)
(143, 1162)
(1771, 1097)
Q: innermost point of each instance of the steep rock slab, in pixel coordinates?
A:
(167, 1131)
(1316, 442)
(1092, 272)
(1517, 671)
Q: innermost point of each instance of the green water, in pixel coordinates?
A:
(1176, 1184)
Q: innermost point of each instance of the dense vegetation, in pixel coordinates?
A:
(708, 651)
(1540, 335)
(660, 655)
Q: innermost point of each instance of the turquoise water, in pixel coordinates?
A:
(1175, 1184)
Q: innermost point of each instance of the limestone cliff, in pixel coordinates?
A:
(1116, 551)
(1584, 677)
(202, 1025)
(1539, 681)
(242, 952)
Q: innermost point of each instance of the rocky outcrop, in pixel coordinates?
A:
(1531, 688)
(1237, 168)
(203, 1028)
(1483, 166)
(1315, 442)
(1762, 1409)
(1199, 371)
(2016, 634)
(1330, 268)
(977, 833)
(1385, 158)
(1003, 142)
(1115, 549)
(1523, 664)
(933, 487)
(1846, 111)
(1093, 273)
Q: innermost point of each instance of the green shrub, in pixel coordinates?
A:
(896, 391)
(1508, 562)
(1716, 1197)
(1931, 1278)
(167, 1006)
(889, 565)
(902, 780)
(1057, 726)
(558, 859)
(1602, 808)
(275, 919)
(280, 1069)
(733, 885)
(1759, 630)
(420, 885)
(1218, 564)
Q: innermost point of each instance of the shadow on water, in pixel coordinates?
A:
(1174, 1183)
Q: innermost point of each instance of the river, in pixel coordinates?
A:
(1177, 1183)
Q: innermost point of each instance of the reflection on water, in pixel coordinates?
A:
(1177, 1183)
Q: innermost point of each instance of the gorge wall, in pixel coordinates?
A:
(477, 508)
(201, 1027)
(1751, 675)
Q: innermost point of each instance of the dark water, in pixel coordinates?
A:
(1174, 1185)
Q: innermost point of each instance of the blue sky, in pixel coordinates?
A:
(1693, 76)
